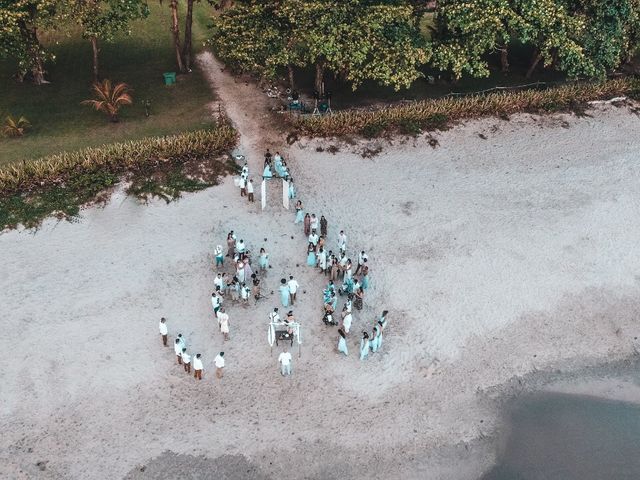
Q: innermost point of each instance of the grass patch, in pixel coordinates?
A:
(60, 123)
(161, 167)
(438, 114)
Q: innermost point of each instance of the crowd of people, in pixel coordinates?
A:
(243, 283)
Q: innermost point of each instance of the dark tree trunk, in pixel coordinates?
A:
(537, 56)
(187, 49)
(292, 83)
(504, 59)
(175, 30)
(94, 48)
(30, 36)
(319, 76)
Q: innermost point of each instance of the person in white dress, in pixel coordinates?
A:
(164, 332)
(223, 323)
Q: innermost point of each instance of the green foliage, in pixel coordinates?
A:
(438, 114)
(15, 128)
(103, 19)
(360, 40)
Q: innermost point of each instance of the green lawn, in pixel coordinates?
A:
(59, 121)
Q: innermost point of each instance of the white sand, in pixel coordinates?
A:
(494, 257)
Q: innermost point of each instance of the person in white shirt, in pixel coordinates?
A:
(314, 222)
(186, 360)
(218, 282)
(223, 322)
(197, 366)
(346, 322)
(285, 361)
(274, 317)
(219, 361)
(342, 241)
(243, 186)
(164, 331)
(362, 257)
(215, 303)
(178, 349)
(250, 190)
(313, 238)
(219, 256)
(245, 293)
(293, 288)
(241, 247)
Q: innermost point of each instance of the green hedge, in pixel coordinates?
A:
(438, 113)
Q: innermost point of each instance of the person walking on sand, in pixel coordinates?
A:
(245, 293)
(186, 360)
(364, 346)
(365, 275)
(274, 317)
(342, 342)
(299, 212)
(313, 238)
(375, 338)
(164, 332)
(284, 293)
(178, 349)
(219, 256)
(323, 226)
(215, 301)
(241, 247)
(346, 321)
(342, 242)
(292, 189)
(263, 260)
(285, 361)
(223, 323)
(307, 224)
(219, 362)
(197, 366)
(314, 222)
(250, 190)
(293, 289)
(255, 290)
(322, 260)
(311, 255)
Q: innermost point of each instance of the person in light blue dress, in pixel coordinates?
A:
(299, 212)
(365, 276)
(263, 261)
(374, 341)
(284, 293)
(267, 172)
(292, 189)
(364, 346)
(311, 255)
(342, 342)
(382, 324)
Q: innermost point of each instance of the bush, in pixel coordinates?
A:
(116, 158)
(439, 113)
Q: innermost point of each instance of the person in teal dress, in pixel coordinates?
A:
(267, 172)
(365, 276)
(284, 293)
(263, 261)
(299, 212)
(342, 342)
(292, 189)
(364, 346)
(382, 324)
(311, 255)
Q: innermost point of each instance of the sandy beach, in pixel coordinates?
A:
(497, 258)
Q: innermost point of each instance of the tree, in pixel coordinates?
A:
(20, 21)
(101, 20)
(110, 98)
(188, 36)
(359, 40)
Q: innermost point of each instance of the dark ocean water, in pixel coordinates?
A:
(570, 437)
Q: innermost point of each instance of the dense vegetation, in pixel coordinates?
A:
(382, 40)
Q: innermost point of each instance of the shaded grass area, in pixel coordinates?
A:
(60, 123)
(416, 117)
(155, 167)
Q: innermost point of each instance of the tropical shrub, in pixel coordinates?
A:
(110, 98)
(15, 128)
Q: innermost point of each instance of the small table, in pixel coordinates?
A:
(284, 335)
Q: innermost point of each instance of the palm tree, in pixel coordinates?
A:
(15, 128)
(110, 98)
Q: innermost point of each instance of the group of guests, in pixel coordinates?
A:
(339, 268)
(184, 358)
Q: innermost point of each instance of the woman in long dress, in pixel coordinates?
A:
(231, 245)
(314, 222)
(247, 269)
(284, 293)
(266, 174)
(365, 277)
(292, 189)
(323, 226)
(299, 212)
(374, 340)
(311, 255)
(342, 342)
(263, 261)
(364, 346)
(359, 297)
(240, 271)
(277, 162)
(322, 259)
(307, 225)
